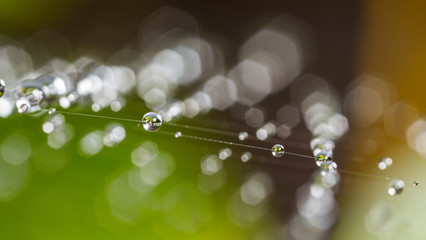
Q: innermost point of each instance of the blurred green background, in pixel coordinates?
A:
(61, 194)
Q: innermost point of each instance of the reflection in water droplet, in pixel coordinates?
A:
(29, 100)
(178, 134)
(278, 150)
(416, 183)
(322, 157)
(23, 108)
(152, 121)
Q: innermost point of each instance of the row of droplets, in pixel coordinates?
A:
(325, 182)
(152, 122)
(396, 186)
(84, 80)
(321, 147)
(316, 205)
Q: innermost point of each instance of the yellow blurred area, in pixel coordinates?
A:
(394, 35)
(393, 49)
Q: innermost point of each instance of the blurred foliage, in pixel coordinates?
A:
(70, 201)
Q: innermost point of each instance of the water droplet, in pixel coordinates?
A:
(416, 183)
(396, 187)
(278, 150)
(33, 95)
(242, 136)
(23, 108)
(246, 156)
(152, 121)
(328, 166)
(384, 163)
(178, 134)
(139, 124)
(29, 100)
(323, 157)
(52, 111)
(2, 87)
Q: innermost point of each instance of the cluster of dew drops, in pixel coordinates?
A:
(152, 122)
(396, 186)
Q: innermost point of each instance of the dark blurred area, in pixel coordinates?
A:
(109, 26)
